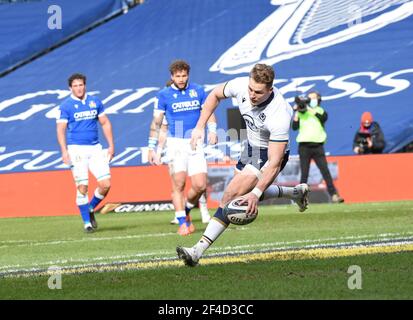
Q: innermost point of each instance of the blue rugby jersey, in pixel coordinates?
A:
(82, 119)
(182, 108)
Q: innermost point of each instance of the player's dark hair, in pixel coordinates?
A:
(179, 65)
(263, 73)
(76, 76)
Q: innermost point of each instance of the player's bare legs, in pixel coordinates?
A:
(104, 186)
(198, 188)
(100, 193)
(178, 199)
(241, 183)
(178, 187)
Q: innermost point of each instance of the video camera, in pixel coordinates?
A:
(362, 142)
(302, 102)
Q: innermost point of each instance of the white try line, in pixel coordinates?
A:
(280, 245)
(398, 244)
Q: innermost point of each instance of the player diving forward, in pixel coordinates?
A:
(268, 119)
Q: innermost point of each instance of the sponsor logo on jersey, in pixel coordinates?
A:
(85, 115)
(250, 122)
(186, 105)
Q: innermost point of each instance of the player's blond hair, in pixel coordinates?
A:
(263, 73)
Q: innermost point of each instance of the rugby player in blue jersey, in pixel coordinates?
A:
(77, 134)
(161, 158)
(181, 104)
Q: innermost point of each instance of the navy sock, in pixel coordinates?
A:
(219, 214)
(187, 212)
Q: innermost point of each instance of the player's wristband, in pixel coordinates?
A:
(212, 127)
(257, 192)
(152, 143)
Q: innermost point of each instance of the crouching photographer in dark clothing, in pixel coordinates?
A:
(369, 137)
(309, 119)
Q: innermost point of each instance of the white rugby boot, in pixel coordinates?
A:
(188, 255)
(301, 198)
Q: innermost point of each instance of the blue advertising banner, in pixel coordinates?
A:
(357, 54)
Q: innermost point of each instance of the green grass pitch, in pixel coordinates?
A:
(283, 254)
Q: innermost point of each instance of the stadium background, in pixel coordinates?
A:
(359, 58)
(357, 53)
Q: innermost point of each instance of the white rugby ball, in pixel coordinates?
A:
(236, 212)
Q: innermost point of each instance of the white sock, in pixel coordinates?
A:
(180, 214)
(212, 232)
(189, 205)
(98, 195)
(203, 204)
(202, 198)
(275, 191)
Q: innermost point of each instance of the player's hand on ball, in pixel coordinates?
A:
(252, 203)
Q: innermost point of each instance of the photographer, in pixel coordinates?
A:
(369, 138)
(309, 119)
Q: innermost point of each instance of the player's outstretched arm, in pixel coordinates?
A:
(211, 103)
(107, 131)
(276, 151)
(61, 138)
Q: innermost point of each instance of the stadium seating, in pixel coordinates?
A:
(29, 31)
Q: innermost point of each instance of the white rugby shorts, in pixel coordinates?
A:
(183, 159)
(84, 158)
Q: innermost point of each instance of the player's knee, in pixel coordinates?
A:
(104, 186)
(82, 189)
(179, 187)
(199, 188)
(228, 196)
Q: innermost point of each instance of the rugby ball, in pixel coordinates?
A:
(236, 212)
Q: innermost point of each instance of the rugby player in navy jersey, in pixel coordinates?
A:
(268, 119)
(77, 134)
(181, 104)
